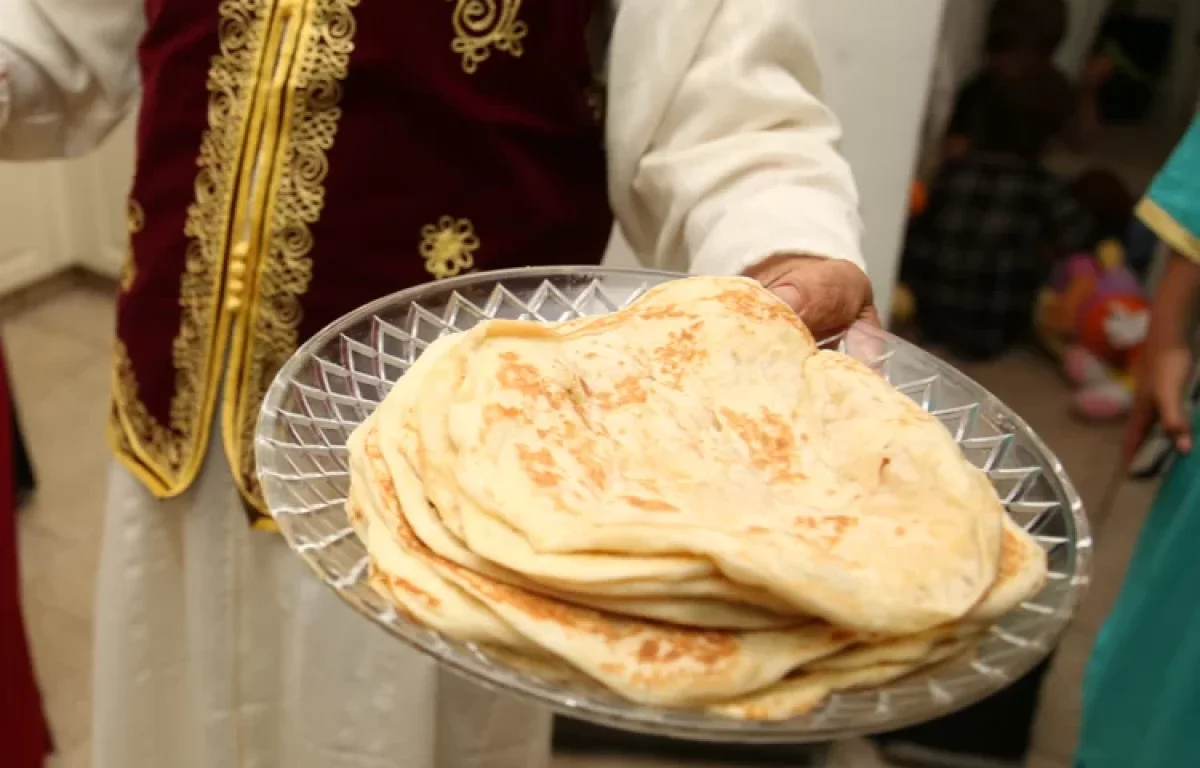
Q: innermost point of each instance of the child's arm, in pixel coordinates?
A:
(1166, 359)
(1172, 209)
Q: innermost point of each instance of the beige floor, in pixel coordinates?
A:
(58, 353)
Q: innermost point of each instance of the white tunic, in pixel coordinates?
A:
(215, 648)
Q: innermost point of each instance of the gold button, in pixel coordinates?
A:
(241, 249)
(236, 285)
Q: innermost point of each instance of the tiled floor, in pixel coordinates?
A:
(58, 353)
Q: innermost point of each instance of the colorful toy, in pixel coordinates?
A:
(1094, 316)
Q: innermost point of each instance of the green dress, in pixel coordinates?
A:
(1141, 693)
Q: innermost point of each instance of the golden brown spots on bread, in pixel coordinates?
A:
(429, 600)
(580, 444)
(681, 352)
(495, 413)
(826, 531)
(660, 645)
(663, 312)
(770, 441)
(708, 649)
(539, 466)
(407, 537)
(518, 376)
(387, 485)
(649, 505)
(1010, 557)
(592, 467)
(756, 304)
(611, 629)
(648, 651)
(627, 391)
(651, 651)
(631, 390)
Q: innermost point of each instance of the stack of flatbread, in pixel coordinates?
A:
(684, 502)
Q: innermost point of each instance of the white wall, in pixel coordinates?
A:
(878, 59)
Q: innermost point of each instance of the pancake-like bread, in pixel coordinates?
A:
(685, 502)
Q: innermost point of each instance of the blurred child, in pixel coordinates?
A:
(995, 221)
(1022, 36)
(1141, 696)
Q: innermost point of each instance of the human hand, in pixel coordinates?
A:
(1164, 375)
(829, 295)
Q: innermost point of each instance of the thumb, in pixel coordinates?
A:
(790, 295)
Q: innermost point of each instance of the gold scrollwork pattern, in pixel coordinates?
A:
(481, 26)
(312, 113)
(170, 454)
(449, 247)
(162, 444)
(135, 220)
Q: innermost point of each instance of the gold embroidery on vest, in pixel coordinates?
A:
(168, 456)
(135, 219)
(449, 247)
(163, 445)
(483, 25)
(319, 57)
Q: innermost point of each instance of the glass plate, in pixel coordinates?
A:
(335, 380)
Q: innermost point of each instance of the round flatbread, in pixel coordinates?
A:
(703, 422)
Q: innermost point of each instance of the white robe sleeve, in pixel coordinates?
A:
(721, 152)
(68, 74)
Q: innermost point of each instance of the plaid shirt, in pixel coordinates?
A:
(977, 258)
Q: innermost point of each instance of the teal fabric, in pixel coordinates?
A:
(1141, 694)
(1176, 189)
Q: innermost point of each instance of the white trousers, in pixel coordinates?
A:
(216, 648)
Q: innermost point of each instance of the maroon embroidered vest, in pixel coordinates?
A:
(299, 158)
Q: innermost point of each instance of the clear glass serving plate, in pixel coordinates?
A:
(336, 379)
